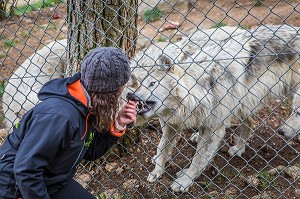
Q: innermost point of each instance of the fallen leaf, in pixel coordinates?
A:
(110, 166)
(171, 25)
(56, 16)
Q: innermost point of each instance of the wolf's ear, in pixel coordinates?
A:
(165, 63)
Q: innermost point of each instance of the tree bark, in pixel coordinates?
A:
(6, 8)
(2, 9)
(94, 23)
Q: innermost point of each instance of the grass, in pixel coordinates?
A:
(27, 8)
(3, 36)
(206, 183)
(219, 24)
(25, 34)
(2, 56)
(1, 88)
(246, 27)
(153, 15)
(1, 120)
(229, 174)
(161, 38)
(264, 179)
(258, 3)
(9, 43)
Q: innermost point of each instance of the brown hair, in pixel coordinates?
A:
(104, 107)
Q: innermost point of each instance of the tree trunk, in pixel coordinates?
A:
(94, 23)
(2, 9)
(6, 8)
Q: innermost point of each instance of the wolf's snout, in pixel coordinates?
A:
(132, 96)
(280, 131)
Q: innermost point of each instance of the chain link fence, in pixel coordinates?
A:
(208, 75)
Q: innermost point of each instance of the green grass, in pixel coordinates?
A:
(153, 15)
(1, 120)
(1, 88)
(246, 27)
(264, 180)
(103, 196)
(258, 3)
(9, 43)
(2, 56)
(27, 8)
(3, 36)
(219, 24)
(161, 38)
(206, 184)
(229, 174)
(25, 34)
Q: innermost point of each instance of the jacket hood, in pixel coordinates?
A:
(60, 88)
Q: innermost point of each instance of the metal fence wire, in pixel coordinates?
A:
(218, 84)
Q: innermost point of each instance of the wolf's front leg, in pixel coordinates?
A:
(164, 151)
(240, 147)
(291, 126)
(207, 147)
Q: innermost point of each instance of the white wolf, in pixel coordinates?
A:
(20, 92)
(219, 81)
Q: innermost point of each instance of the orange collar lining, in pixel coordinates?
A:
(76, 90)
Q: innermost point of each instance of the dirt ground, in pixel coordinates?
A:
(226, 177)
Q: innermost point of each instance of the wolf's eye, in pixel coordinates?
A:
(151, 84)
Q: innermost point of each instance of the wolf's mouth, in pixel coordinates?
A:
(145, 106)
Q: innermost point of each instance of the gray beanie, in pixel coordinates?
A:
(104, 69)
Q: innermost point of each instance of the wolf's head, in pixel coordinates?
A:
(154, 80)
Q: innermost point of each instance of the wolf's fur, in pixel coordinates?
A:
(20, 93)
(229, 78)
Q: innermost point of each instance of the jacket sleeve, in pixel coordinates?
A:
(44, 134)
(101, 143)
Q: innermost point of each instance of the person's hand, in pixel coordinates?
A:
(127, 114)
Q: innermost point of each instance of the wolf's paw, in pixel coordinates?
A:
(235, 151)
(194, 137)
(287, 132)
(155, 175)
(182, 184)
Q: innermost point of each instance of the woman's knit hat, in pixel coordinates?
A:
(104, 69)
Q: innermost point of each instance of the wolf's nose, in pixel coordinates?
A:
(132, 96)
(280, 132)
(129, 96)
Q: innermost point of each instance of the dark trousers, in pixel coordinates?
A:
(73, 191)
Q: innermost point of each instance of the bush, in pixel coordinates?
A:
(153, 15)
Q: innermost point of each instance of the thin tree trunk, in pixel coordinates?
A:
(2, 9)
(6, 8)
(95, 23)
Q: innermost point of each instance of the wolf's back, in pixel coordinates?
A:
(20, 93)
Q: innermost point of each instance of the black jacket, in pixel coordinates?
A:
(40, 155)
